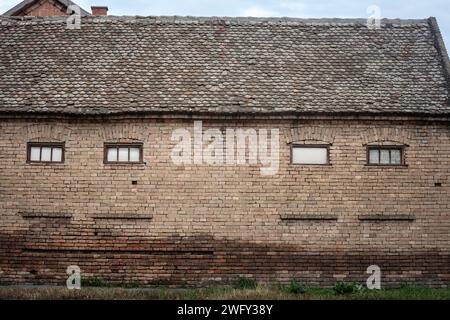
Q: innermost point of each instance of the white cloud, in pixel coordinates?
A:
(259, 12)
(295, 5)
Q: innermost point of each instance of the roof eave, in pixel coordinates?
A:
(394, 116)
(440, 47)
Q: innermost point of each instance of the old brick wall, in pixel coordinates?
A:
(44, 8)
(201, 224)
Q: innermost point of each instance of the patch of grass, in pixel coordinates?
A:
(95, 282)
(246, 283)
(260, 292)
(130, 285)
(406, 293)
(102, 283)
(347, 288)
(295, 288)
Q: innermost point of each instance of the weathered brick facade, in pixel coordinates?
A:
(331, 82)
(43, 9)
(203, 224)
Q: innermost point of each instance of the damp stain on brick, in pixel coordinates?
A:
(196, 260)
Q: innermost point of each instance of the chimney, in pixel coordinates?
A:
(99, 11)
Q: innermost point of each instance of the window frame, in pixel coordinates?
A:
(322, 146)
(385, 147)
(117, 145)
(50, 145)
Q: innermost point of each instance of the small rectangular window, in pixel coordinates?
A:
(57, 155)
(396, 156)
(35, 154)
(135, 154)
(385, 155)
(309, 154)
(123, 153)
(374, 156)
(112, 155)
(45, 152)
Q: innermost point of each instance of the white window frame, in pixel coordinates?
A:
(311, 146)
(51, 145)
(133, 145)
(389, 148)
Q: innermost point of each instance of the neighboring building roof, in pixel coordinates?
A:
(222, 65)
(27, 3)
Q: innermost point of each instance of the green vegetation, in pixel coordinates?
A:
(95, 282)
(295, 288)
(246, 283)
(248, 290)
(347, 288)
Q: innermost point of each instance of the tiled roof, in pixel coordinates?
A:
(222, 65)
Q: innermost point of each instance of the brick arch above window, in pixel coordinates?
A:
(386, 136)
(310, 142)
(311, 135)
(386, 143)
(123, 140)
(125, 133)
(47, 133)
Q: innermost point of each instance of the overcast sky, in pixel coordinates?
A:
(273, 8)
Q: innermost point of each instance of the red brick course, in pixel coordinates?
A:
(44, 8)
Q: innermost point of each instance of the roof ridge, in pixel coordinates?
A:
(200, 19)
